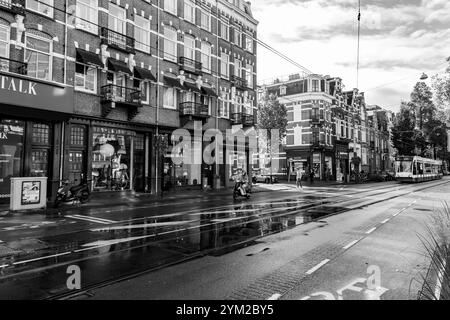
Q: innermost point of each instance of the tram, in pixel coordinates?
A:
(417, 169)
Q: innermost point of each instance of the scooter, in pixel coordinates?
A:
(241, 190)
(79, 193)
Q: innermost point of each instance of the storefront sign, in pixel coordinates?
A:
(31, 192)
(23, 92)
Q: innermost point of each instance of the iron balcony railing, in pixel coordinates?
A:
(247, 120)
(114, 93)
(14, 6)
(13, 66)
(194, 109)
(238, 82)
(190, 65)
(117, 40)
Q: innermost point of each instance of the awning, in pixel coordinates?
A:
(190, 84)
(172, 81)
(89, 58)
(143, 74)
(118, 66)
(208, 90)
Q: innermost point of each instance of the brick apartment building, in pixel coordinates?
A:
(93, 86)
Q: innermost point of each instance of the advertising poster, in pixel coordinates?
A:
(31, 192)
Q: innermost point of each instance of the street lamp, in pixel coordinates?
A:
(424, 76)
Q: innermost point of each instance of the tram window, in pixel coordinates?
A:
(420, 168)
(404, 166)
(414, 168)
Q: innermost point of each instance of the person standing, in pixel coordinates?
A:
(299, 177)
(311, 175)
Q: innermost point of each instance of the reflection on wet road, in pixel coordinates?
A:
(108, 245)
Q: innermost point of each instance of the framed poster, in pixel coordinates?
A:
(31, 192)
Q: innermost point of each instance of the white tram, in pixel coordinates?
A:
(417, 169)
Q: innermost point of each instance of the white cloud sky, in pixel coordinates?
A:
(399, 40)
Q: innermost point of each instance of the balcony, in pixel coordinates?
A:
(190, 65)
(13, 6)
(190, 111)
(112, 95)
(13, 66)
(238, 82)
(247, 120)
(117, 40)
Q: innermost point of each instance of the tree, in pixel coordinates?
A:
(441, 87)
(272, 115)
(404, 132)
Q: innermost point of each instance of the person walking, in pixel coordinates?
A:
(299, 177)
(311, 175)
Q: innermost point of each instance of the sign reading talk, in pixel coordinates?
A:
(25, 92)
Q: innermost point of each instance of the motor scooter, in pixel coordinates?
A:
(241, 190)
(78, 193)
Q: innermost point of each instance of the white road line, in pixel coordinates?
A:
(371, 230)
(351, 244)
(386, 220)
(1, 241)
(4, 265)
(276, 296)
(87, 219)
(438, 288)
(41, 258)
(95, 218)
(317, 267)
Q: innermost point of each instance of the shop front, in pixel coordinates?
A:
(32, 114)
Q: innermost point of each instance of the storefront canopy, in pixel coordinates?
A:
(191, 85)
(172, 80)
(89, 58)
(118, 66)
(144, 74)
(208, 90)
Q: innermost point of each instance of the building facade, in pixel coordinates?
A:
(330, 130)
(96, 88)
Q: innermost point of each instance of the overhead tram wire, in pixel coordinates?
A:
(159, 50)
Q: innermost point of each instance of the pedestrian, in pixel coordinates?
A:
(311, 175)
(299, 177)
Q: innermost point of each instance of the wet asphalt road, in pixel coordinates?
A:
(112, 243)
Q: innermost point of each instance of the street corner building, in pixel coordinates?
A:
(95, 88)
(332, 132)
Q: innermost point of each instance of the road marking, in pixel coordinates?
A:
(143, 226)
(90, 219)
(276, 296)
(371, 230)
(384, 221)
(1, 241)
(351, 244)
(41, 258)
(95, 218)
(317, 267)
(438, 288)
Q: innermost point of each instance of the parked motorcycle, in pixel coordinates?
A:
(241, 190)
(78, 193)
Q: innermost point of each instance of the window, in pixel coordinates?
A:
(237, 37)
(170, 98)
(206, 57)
(306, 138)
(249, 76)
(38, 56)
(224, 105)
(87, 15)
(4, 47)
(44, 7)
(170, 6)
(224, 65)
(189, 47)
(248, 42)
(41, 133)
(238, 106)
(315, 85)
(189, 11)
(117, 19)
(238, 68)
(170, 44)
(306, 115)
(142, 33)
(205, 20)
(85, 78)
(144, 86)
(224, 30)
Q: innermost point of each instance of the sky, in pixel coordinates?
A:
(400, 39)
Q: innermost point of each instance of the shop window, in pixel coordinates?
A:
(139, 163)
(39, 163)
(41, 133)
